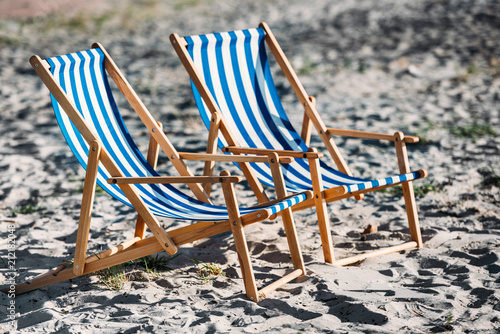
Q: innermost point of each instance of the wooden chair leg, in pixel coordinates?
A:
(140, 227)
(86, 208)
(293, 240)
(213, 133)
(305, 134)
(286, 215)
(152, 158)
(321, 210)
(411, 212)
(408, 193)
(240, 240)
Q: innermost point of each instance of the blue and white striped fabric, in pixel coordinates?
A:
(235, 68)
(82, 77)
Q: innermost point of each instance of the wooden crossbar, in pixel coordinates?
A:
(369, 135)
(173, 179)
(377, 252)
(232, 158)
(280, 282)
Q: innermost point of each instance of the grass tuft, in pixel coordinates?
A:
(9, 41)
(474, 130)
(207, 271)
(153, 264)
(423, 131)
(347, 63)
(114, 278)
(472, 68)
(447, 327)
(185, 4)
(26, 210)
(362, 68)
(307, 67)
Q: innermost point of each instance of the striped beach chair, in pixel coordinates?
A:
(239, 104)
(94, 129)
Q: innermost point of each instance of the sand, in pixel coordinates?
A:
(428, 68)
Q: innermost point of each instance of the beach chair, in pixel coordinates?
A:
(239, 104)
(94, 129)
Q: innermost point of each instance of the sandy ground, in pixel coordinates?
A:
(428, 68)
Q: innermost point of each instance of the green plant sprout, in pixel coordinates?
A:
(207, 271)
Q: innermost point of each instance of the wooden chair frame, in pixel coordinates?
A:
(311, 118)
(139, 246)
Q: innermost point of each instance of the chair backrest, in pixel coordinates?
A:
(235, 68)
(82, 76)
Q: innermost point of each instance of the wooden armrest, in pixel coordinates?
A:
(370, 135)
(294, 154)
(174, 179)
(231, 158)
